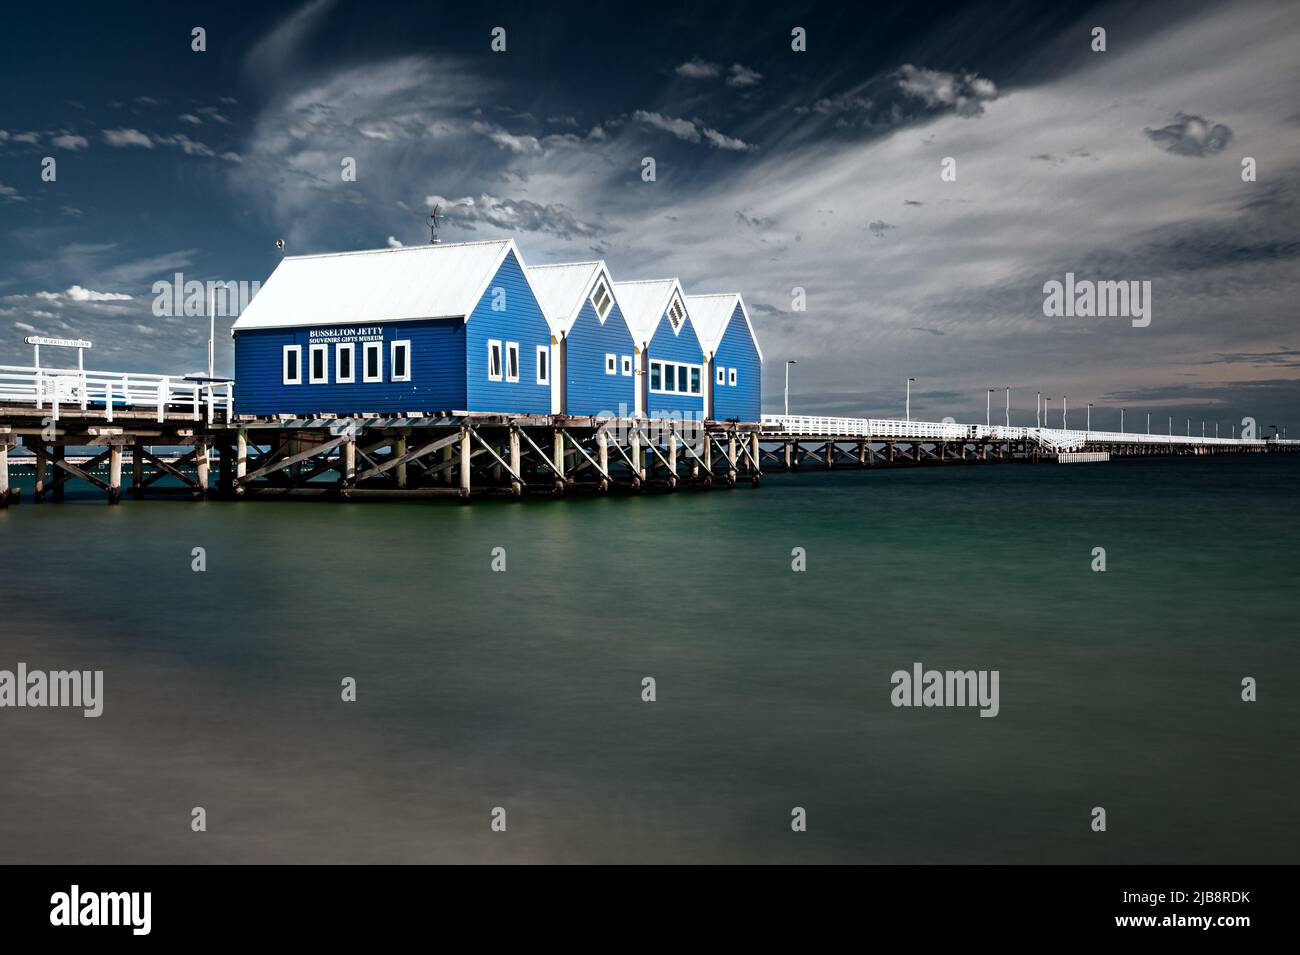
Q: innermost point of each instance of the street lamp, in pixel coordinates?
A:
(1148, 422)
(1038, 410)
(1121, 420)
(788, 363)
(1008, 406)
(1088, 426)
(988, 409)
(909, 398)
(1065, 412)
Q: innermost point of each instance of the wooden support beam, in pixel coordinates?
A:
(542, 455)
(602, 450)
(201, 462)
(137, 469)
(58, 453)
(348, 474)
(399, 450)
(464, 463)
(165, 468)
(514, 475)
(400, 461)
(115, 474)
(516, 462)
(70, 470)
(604, 473)
(295, 459)
(4, 475)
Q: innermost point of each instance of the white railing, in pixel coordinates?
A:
(1055, 439)
(61, 388)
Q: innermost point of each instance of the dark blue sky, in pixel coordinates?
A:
(776, 170)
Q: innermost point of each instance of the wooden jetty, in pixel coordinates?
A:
(180, 437)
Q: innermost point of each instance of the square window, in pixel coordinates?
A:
(512, 361)
(292, 364)
(344, 372)
(373, 358)
(399, 361)
(731, 376)
(627, 365)
(543, 365)
(494, 360)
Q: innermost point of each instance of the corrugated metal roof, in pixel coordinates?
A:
(561, 290)
(711, 312)
(377, 285)
(644, 303)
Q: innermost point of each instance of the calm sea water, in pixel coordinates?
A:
(523, 689)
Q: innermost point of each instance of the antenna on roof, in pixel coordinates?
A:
(433, 225)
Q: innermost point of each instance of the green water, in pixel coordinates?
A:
(523, 689)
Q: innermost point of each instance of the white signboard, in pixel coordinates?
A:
(59, 342)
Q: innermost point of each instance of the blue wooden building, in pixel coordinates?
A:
(593, 349)
(734, 361)
(427, 329)
(670, 365)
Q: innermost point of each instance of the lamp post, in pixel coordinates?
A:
(788, 363)
(1148, 422)
(1038, 410)
(1121, 420)
(1088, 426)
(1008, 406)
(909, 398)
(988, 408)
(1065, 412)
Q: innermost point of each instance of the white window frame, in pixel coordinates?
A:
(721, 376)
(672, 370)
(609, 300)
(512, 351)
(627, 366)
(543, 364)
(350, 348)
(324, 377)
(611, 363)
(393, 347)
(495, 344)
(366, 349)
(296, 351)
(731, 377)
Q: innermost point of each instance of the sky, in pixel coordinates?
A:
(811, 181)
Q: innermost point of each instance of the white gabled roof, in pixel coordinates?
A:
(377, 285)
(644, 304)
(711, 314)
(563, 289)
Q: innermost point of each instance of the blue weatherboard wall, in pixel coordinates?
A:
(683, 347)
(589, 390)
(437, 371)
(743, 402)
(520, 321)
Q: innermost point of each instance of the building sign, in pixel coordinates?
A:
(60, 342)
(360, 333)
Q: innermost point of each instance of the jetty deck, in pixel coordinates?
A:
(180, 436)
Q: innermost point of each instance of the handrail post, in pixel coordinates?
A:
(162, 398)
(108, 401)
